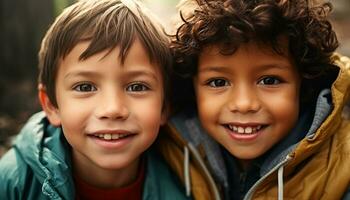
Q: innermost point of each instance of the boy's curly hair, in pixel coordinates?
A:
(230, 23)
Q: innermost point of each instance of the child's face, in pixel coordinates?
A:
(110, 113)
(247, 101)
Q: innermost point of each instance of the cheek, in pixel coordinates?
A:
(73, 115)
(149, 113)
(285, 106)
(208, 107)
(73, 122)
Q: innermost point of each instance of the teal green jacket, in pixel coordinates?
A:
(38, 166)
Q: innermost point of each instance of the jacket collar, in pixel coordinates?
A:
(45, 150)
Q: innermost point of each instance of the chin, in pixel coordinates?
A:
(114, 164)
(245, 154)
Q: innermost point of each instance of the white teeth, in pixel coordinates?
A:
(244, 130)
(235, 128)
(248, 130)
(111, 136)
(107, 136)
(240, 130)
(115, 136)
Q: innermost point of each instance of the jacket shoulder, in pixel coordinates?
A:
(343, 137)
(17, 180)
(11, 177)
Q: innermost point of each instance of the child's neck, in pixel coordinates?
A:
(244, 165)
(104, 178)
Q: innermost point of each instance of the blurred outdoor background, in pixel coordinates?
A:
(22, 26)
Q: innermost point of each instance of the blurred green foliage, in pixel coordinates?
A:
(59, 5)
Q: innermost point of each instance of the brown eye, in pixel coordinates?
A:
(85, 87)
(138, 87)
(270, 81)
(218, 83)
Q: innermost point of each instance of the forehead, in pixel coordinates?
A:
(136, 57)
(277, 48)
(250, 54)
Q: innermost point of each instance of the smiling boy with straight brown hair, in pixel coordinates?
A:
(103, 84)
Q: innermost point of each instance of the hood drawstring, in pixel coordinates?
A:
(187, 177)
(280, 177)
(187, 171)
(280, 183)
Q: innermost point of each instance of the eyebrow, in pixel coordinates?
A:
(132, 73)
(213, 69)
(136, 73)
(81, 73)
(278, 65)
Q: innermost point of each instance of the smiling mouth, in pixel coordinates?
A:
(244, 130)
(114, 136)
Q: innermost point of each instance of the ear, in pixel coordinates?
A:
(51, 111)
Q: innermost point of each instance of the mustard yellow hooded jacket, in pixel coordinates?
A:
(319, 165)
(315, 167)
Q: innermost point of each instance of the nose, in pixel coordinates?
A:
(244, 99)
(112, 105)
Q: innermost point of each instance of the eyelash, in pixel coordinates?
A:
(214, 83)
(135, 87)
(131, 87)
(79, 86)
(276, 80)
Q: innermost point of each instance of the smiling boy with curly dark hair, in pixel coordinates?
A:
(270, 90)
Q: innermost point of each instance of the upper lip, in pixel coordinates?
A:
(112, 132)
(240, 124)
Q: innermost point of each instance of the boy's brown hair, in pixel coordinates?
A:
(107, 24)
(230, 23)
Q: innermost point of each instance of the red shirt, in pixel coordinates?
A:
(84, 191)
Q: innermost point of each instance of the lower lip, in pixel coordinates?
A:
(243, 137)
(112, 144)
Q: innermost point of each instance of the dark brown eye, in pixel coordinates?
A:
(138, 87)
(218, 83)
(85, 87)
(269, 81)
